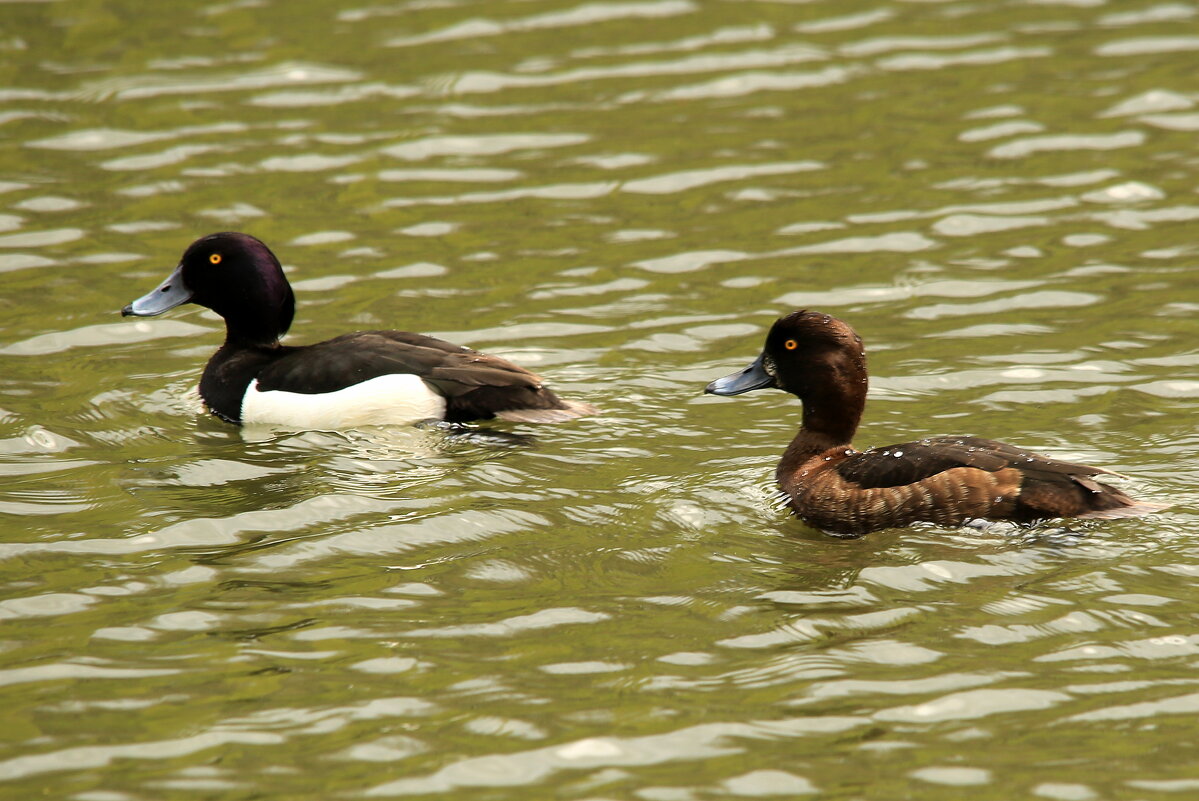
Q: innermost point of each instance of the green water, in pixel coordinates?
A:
(1000, 197)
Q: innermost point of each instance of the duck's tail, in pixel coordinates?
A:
(1136, 509)
(567, 410)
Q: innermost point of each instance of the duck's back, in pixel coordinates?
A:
(381, 377)
(946, 480)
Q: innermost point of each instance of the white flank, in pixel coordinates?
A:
(389, 400)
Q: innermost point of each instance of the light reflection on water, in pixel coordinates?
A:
(621, 196)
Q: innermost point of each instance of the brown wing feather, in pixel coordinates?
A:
(950, 480)
(949, 497)
(914, 461)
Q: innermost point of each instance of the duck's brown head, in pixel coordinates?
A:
(817, 358)
(805, 353)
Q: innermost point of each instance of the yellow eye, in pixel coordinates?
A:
(790, 344)
(215, 258)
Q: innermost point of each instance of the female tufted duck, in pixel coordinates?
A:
(945, 480)
(364, 378)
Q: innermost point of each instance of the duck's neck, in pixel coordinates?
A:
(249, 329)
(831, 413)
(259, 315)
(242, 338)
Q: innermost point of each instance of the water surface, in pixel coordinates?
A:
(1001, 197)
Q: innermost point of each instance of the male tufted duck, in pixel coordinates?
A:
(364, 378)
(945, 480)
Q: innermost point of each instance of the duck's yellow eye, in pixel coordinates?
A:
(215, 258)
(790, 344)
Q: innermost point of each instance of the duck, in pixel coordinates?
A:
(946, 480)
(358, 379)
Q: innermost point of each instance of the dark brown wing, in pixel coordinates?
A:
(922, 481)
(910, 462)
(353, 358)
(475, 385)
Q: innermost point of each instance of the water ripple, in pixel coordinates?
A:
(622, 196)
(587, 14)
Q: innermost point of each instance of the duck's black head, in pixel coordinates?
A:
(816, 357)
(237, 277)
